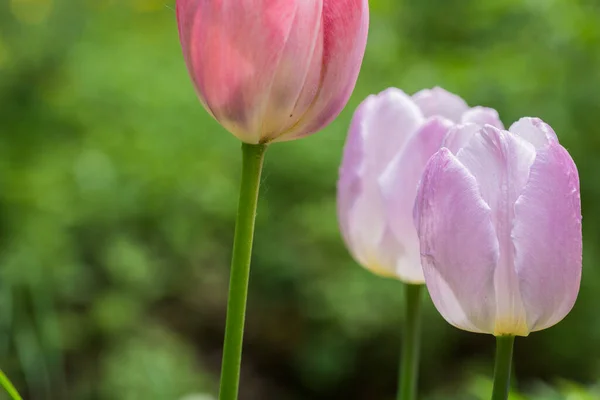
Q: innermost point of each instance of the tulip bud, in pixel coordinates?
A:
(498, 215)
(391, 137)
(273, 70)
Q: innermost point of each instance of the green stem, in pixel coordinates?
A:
(253, 156)
(409, 368)
(504, 351)
(8, 386)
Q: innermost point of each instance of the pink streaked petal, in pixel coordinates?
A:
(547, 238)
(483, 116)
(233, 57)
(298, 71)
(194, 28)
(297, 118)
(399, 187)
(438, 101)
(345, 29)
(535, 131)
(459, 248)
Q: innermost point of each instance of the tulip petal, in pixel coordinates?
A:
(399, 187)
(438, 101)
(345, 28)
(483, 116)
(500, 162)
(547, 238)
(349, 184)
(535, 131)
(298, 71)
(459, 248)
(390, 120)
(192, 16)
(459, 135)
(380, 125)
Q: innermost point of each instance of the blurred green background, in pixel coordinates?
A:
(118, 194)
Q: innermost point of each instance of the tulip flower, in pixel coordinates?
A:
(498, 215)
(268, 71)
(273, 70)
(391, 137)
(499, 224)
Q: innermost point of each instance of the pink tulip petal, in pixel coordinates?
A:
(298, 70)
(500, 162)
(297, 118)
(345, 28)
(399, 188)
(438, 101)
(482, 116)
(459, 248)
(233, 50)
(535, 131)
(192, 16)
(547, 238)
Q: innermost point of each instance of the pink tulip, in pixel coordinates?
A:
(391, 137)
(498, 215)
(273, 70)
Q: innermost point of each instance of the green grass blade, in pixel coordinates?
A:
(9, 387)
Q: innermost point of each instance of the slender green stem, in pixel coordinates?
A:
(253, 156)
(8, 386)
(409, 368)
(504, 351)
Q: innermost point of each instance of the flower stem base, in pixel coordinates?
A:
(504, 351)
(409, 365)
(253, 156)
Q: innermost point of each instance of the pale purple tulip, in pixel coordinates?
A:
(273, 70)
(499, 220)
(391, 137)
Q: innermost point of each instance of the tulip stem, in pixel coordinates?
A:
(253, 156)
(409, 366)
(504, 351)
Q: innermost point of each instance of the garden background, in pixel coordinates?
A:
(118, 195)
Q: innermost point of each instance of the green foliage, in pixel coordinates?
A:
(153, 365)
(118, 196)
